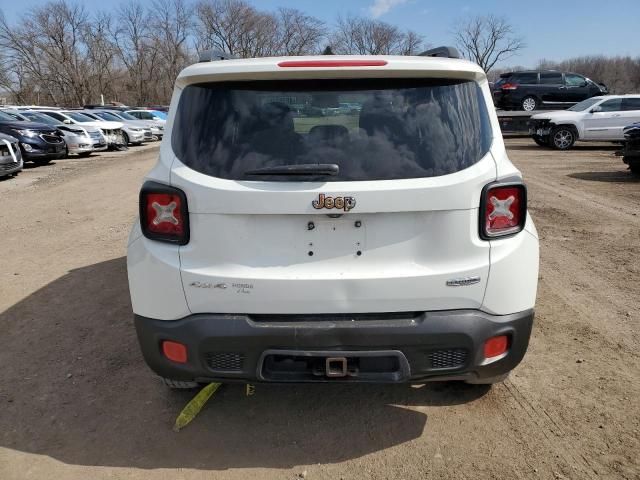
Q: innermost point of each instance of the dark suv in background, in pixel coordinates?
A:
(534, 89)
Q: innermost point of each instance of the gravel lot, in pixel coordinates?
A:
(77, 401)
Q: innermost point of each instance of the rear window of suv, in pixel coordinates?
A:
(373, 129)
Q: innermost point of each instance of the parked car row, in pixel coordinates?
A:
(41, 134)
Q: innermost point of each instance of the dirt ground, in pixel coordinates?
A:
(77, 401)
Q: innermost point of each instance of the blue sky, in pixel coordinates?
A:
(553, 29)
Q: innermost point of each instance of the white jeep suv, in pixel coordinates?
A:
(388, 242)
(598, 119)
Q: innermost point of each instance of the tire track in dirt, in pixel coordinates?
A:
(551, 432)
(585, 199)
(586, 312)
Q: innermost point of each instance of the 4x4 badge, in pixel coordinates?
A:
(341, 203)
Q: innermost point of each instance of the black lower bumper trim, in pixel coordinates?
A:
(424, 346)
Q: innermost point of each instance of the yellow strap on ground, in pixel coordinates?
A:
(191, 410)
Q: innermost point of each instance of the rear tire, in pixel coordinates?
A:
(541, 142)
(489, 380)
(529, 104)
(563, 137)
(179, 384)
(125, 138)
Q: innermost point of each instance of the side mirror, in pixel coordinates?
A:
(596, 109)
(67, 121)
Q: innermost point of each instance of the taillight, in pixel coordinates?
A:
(163, 213)
(509, 86)
(503, 209)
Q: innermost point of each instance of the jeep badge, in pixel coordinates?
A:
(341, 203)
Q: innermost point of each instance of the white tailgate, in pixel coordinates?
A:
(250, 244)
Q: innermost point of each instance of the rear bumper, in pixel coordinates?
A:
(443, 345)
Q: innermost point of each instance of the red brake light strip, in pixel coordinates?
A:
(332, 63)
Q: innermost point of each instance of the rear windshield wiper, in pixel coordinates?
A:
(302, 169)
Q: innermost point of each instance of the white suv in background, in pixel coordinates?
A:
(599, 119)
(389, 242)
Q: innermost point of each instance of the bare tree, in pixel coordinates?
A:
(50, 43)
(101, 55)
(132, 38)
(22, 67)
(364, 36)
(411, 44)
(59, 54)
(298, 34)
(487, 40)
(620, 74)
(235, 27)
(171, 22)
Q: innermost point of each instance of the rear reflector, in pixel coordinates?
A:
(174, 351)
(332, 63)
(495, 346)
(163, 213)
(503, 210)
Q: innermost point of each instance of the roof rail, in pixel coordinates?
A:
(444, 52)
(214, 55)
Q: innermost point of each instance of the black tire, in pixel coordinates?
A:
(543, 142)
(529, 103)
(125, 138)
(563, 137)
(635, 168)
(179, 384)
(84, 154)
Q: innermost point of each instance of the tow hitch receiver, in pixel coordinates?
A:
(336, 367)
(326, 366)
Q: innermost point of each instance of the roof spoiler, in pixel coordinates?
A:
(214, 55)
(443, 52)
